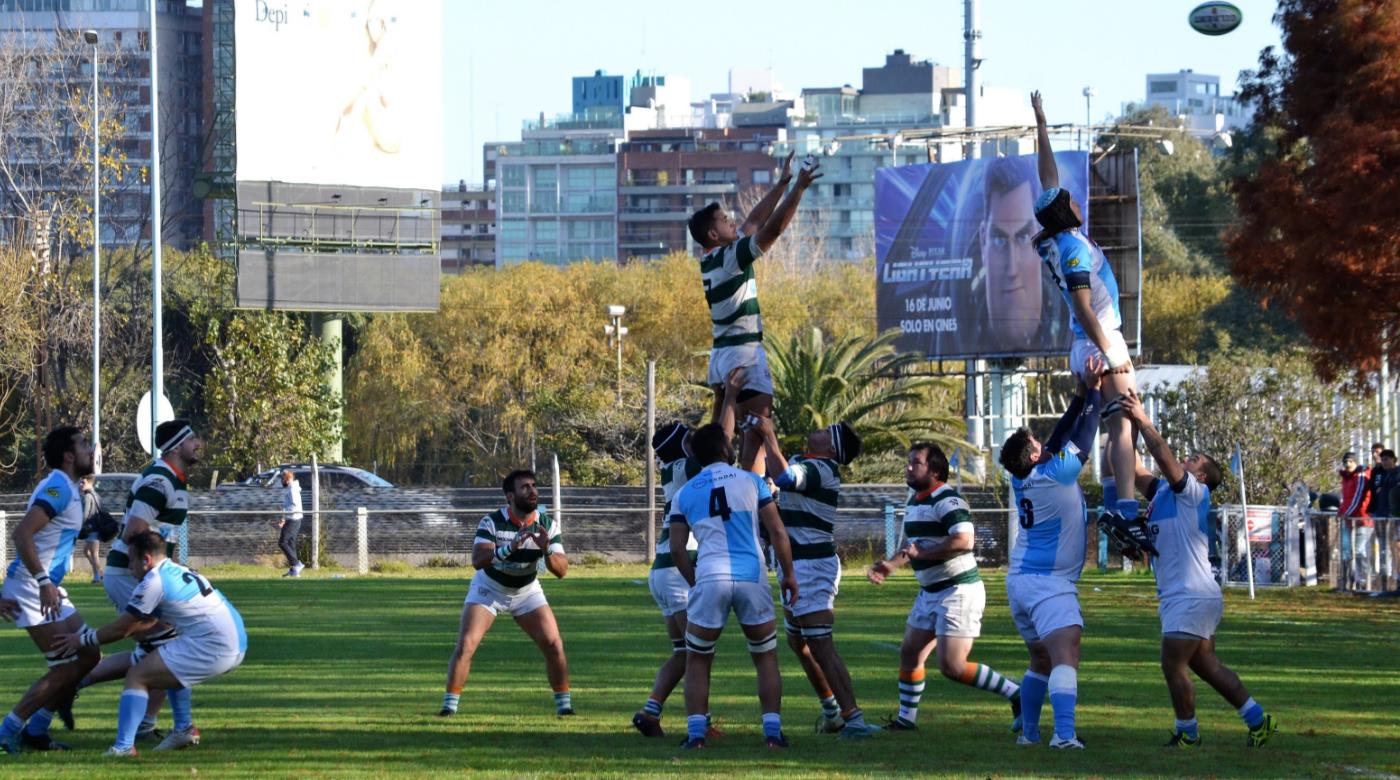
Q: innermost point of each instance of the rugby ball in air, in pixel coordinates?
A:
(1215, 18)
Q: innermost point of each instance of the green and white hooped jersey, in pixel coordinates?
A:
(732, 292)
(933, 517)
(674, 475)
(161, 498)
(519, 569)
(810, 497)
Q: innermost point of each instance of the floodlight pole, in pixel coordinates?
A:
(615, 332)
(90, 36)
(157, 356)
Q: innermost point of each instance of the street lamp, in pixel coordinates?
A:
(1089, 94)
(615, 331)
(90, 37)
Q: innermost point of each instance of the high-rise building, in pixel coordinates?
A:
(1195, 99)
(122, 29)
(600, 95)
(468, 227)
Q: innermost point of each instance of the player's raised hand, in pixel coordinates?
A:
(878, 572)
(785, 175)
(809, 172)
(1037, 108)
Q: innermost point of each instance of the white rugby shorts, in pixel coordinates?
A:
(498, 598)
(1042, 604)
(25, 591)
(1196, 617)
(818, 582)
(711, 600)
(752, 357)
(954, 611)
(669, 590)
(1082, 349)
(195, 659)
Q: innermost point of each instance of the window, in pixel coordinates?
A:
(578, 178)
(512, 202)
(762, 176)
(1202, 88)
(512, 231)
(512, 175)
(545, 177)
(719, 176)
(1161, 87)
(580, 230)
(544, 202)
(547, 232)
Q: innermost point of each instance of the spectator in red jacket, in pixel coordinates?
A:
(1356, 535)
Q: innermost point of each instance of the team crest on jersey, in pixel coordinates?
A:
(1074, 262)
(52, 492)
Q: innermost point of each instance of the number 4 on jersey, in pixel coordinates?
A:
(719, 505)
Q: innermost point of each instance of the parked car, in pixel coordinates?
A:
(342, 487)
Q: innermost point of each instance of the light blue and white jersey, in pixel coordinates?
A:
(1053, 515)
(674, 475)
(185, 600)
(1074, 263)
(59, 498)
(720, 505)
(1180, 524)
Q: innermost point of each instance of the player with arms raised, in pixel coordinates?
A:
(1048, 557)
(731, 290)
(947, 615)
(1078, 267)
(1189, 599)
(724, 507)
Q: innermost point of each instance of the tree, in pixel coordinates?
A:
(1319, 234)
(865, 383)
(1292, 425)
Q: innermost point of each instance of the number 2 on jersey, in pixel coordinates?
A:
(199, 582)
(719, 505)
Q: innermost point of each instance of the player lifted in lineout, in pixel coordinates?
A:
(1048, 557)
(731, 290)
(1078, 267)
(947, 614)
(668, 588)
(1189, 599)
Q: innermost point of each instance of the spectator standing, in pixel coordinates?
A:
(1356, 502)
(92, 504)
(291, 522)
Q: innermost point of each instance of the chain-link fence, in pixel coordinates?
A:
(1292, 545)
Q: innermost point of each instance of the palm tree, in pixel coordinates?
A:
(867, 384)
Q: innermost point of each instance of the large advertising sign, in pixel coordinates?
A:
(956, 268)
(340, 92)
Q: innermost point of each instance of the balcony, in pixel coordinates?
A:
(692, 188)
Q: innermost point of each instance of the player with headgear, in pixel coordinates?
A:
(808, 506)
(731, 290)
(947, 614)
(1189, 601)
(670, 591)
(1048, 557)
(157, 501)
(1081, 271)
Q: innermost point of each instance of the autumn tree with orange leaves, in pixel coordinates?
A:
(1319, 234)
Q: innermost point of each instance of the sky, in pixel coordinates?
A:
(505, 62)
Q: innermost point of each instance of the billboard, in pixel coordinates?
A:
(956, 268)
(340, 92)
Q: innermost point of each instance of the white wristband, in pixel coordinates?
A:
(1117, 356)
(42, 578)
(503, 552)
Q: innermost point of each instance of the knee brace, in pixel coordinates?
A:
(1064, 679)
(695, 644)
(766, 645)
(677, 645)
(816, 632)
(59, 657)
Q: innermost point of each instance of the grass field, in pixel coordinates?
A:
(344, 678)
